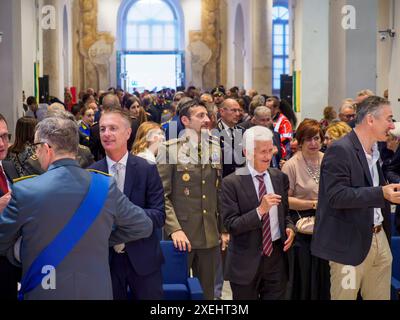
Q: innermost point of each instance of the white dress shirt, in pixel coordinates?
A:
(273, 212)
(373, 169)
(111, 169)
(119, 248)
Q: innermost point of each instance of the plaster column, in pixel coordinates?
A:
(51, 58)
(262, 45)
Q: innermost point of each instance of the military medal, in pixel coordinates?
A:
(186, 191)
(186, 177)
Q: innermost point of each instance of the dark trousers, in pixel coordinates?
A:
(270, 281)
(311, 278)
(9, 277)
(141, 287)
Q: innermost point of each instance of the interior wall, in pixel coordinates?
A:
(11, 62)
(394, 78)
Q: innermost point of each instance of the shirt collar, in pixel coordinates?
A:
(123, 160)
(375, 153)
(225, 126)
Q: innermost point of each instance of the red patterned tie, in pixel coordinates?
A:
(3, 181)
(266, 226)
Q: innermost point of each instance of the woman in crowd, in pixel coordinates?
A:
(21, 152)
(87, 121)
(335, 131)
(329, 115)
(136, 110)
(311, 275)
(148, 138)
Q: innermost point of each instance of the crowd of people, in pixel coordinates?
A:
(276, 207)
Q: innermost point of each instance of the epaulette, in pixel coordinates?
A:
(170, 142)
(97, 171)
(24, 178)
(81, 146)
(214, 139)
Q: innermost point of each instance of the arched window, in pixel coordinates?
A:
(280, 45)
(151, 49)
(151, 25)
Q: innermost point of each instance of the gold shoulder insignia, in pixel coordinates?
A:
(83, 147)
(24, 178)
(97, 171)
(171, 142)
(34, 157)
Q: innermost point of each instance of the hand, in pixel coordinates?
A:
(281, 163)
(119, 248)
(391, 192)
(224, 241)
(290, 237)
(274, 150)
(181, 241)
(4, 200)
(267, 202)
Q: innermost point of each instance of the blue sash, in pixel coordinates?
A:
(67, 239)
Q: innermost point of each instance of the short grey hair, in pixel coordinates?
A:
(371, 105)
(262, 111)
(256, 133)
(60, 133)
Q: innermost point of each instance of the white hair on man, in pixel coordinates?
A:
(256, 133)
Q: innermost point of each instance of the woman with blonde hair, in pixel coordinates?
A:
(148, 138)
(335, 131)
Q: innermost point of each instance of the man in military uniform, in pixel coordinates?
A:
(190, 168)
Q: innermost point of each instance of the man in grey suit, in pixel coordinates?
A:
(42, 206)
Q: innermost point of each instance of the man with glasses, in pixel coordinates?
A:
(44, 209)
(230, 136)
(9, 274)
(347, 113)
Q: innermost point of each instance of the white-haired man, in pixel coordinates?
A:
(255, 213)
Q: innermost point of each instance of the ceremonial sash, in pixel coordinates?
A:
(70, 235)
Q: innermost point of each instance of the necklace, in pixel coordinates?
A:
(313, 172)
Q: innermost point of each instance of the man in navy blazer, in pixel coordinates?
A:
(352, 227)
(136, 264)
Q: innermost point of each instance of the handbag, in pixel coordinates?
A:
(305, 225)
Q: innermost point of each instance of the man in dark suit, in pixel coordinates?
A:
(230, 136)
(136, 264)
(9, 274)
(43, 210)
(352, 228)
(255, 213)
(262, 117)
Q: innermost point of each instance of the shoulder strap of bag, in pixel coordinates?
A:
(70, 235)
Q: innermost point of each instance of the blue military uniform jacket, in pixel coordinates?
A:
(40, 208)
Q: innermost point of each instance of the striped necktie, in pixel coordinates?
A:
(266, 225)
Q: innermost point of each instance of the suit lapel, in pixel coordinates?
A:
(361, 156)
(277, 184)
(248, 185)
(129, 175)
(103, 166)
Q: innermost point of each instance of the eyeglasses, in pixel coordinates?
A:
(349, 116)
(5, 137)
(35, 145)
